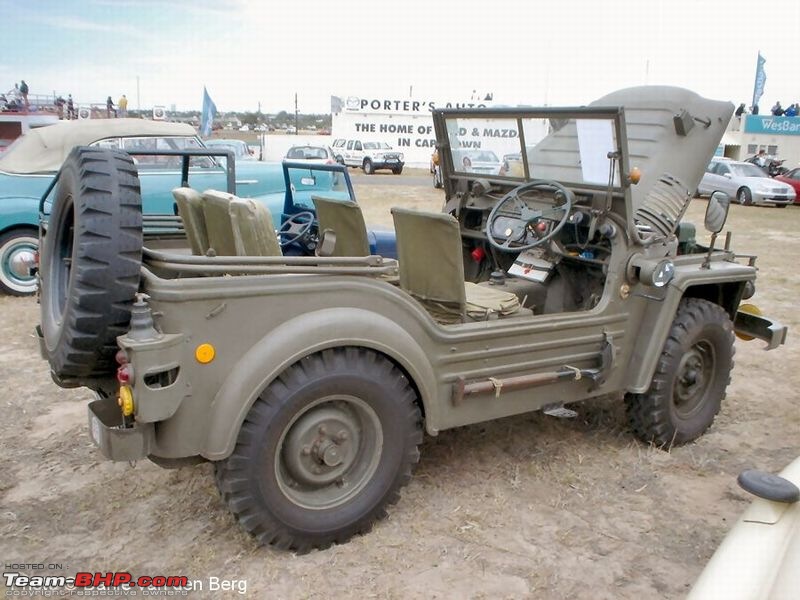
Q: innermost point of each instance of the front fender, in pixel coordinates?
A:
(299, 337)
(722, 283)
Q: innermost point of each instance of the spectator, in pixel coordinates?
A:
(110, 108)
(740, 111)
(122, 103)
(791, 111)
(761, 158)
(23, 89)
(70, 107)
(59, 102)
(777, 110)
(754, 110)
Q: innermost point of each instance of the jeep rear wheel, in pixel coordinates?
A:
(90, 261)
(690, 379)
(324, 449)
(397, 170)
(369, 168)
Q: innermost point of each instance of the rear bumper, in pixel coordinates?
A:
(760, 327)
(115, 441)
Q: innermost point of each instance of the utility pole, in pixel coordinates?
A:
(296, 116)
(138, 101)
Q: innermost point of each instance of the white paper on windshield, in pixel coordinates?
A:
(595, 141)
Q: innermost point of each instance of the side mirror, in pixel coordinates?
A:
(727, 175)
(717, 212)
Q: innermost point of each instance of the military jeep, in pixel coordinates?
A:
(566, 274)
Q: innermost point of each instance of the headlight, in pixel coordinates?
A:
(655, 272)
(663, 273)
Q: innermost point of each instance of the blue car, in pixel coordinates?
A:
(29, 165)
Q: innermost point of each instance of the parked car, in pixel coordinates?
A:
(746, 182)
(338, 148)
(370, 156)
(27, 168)
(476, 161)
(311, 154)
(241, 150)
(792, 178)
(760, 556)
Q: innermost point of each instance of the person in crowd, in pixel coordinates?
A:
(791, 110)
(122, 104)
(741, 110)
(71, 114)
(59, 103)
(761, 158)
(754, 109)
(23, 90)
(110, 108)
(777, 110)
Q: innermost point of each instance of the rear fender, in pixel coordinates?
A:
(299, 337)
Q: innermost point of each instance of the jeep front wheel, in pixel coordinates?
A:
(690, 378)
(324, 449)
(369, 168)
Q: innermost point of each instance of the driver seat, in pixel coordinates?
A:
(430, 256)
(239, 227)
(342, 222)
(190, 210)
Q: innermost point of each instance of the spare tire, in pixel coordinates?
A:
(90, 259)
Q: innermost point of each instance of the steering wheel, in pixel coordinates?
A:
(295, 228)
(522, 220)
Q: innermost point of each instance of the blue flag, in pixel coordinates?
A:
(761, 79)
(208, 114)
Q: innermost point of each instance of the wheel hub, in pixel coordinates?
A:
(693, 378)
(20, 262)
(329, 452)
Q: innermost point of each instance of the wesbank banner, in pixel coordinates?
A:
(770, 124)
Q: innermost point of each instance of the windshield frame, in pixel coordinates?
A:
(452, 175)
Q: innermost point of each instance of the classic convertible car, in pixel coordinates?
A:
(28, 166)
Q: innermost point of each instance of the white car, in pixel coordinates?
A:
(368, 155)
(311, 154)
(746, 182)
(760, 557)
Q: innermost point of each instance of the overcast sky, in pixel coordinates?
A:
(558, 52)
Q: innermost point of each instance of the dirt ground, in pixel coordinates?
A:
(525, 507)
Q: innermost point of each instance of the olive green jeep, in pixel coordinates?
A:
(565, 274)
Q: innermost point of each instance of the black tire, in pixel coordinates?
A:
(690, 380)
(368, 167)
(397, 170)
(781, 205)
(744, 196)
(90, 261)
(266, 480)
(17, 255)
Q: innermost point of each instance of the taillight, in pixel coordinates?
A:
(125, 374)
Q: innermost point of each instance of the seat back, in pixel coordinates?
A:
(253, 229)
(216, 210)
(345, 220)
(190, 209)
(431, 265)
